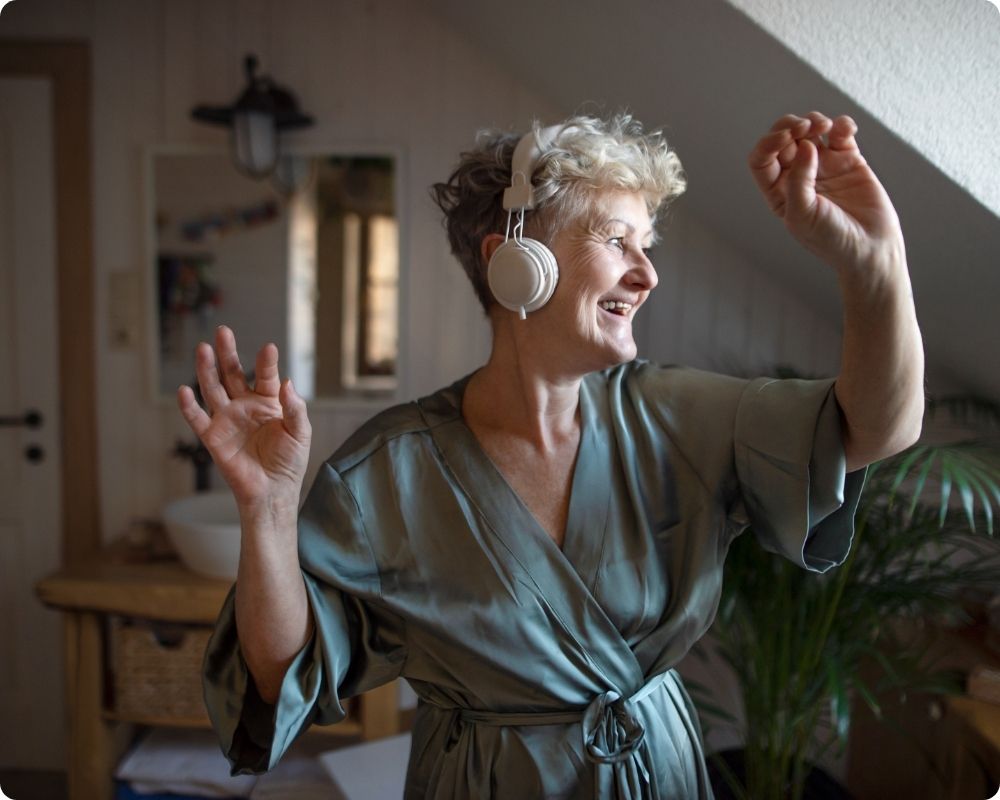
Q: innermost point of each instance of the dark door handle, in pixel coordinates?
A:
(29, 419)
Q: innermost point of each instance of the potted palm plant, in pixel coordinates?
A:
(797, 641)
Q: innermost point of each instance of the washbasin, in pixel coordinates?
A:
(204, 529)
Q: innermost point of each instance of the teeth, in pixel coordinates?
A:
(615, 305)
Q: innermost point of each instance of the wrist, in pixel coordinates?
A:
(878, 267)
(270, 512)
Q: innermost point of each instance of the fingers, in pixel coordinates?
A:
(193, 414)
(801, 191)
(267, 381)
(778, 150)
(293, 409)
(785, 132)
(787, 121)
(842, 134)
(819, 127)
(220, 383)
(208, 378)
(233, 377)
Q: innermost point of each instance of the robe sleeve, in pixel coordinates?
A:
(791, 468)
(357, 644)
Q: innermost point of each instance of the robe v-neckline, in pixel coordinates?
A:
(565, 581)
(590, 487)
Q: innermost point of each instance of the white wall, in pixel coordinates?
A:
(713, 310)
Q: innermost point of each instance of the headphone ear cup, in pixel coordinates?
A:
(522, 274)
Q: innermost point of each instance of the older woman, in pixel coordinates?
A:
(537, 545)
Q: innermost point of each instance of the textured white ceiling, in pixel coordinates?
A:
(928, 69)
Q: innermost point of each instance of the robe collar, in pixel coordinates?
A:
(563, 579)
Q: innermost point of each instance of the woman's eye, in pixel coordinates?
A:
(617, 241)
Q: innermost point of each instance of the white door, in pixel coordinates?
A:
(32, 707)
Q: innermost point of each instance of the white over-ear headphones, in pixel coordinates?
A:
(522, 273)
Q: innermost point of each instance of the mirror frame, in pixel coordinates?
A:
(150, 287)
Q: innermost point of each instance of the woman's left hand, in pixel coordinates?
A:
(825, 192)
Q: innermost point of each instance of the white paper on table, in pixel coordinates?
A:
(373, 770)
(297, 777)
(178, 761)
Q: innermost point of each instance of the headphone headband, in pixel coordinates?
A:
(520, 194)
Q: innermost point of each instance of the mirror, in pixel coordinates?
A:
(308, 259)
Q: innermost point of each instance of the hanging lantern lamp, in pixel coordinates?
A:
(256, 119)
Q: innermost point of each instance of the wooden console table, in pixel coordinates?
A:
(118, 583)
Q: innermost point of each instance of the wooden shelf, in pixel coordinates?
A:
(158, 722)
(349, 728)
(118, 581)
(121, 581)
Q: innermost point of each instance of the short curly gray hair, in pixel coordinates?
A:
(591, 155)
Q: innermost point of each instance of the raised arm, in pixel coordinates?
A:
(815, 179)
(259, 438)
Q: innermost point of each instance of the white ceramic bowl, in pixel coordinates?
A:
(204, 529)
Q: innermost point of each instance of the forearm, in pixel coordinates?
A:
(272, 611)
(880, 388)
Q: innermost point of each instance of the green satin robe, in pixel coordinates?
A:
(544, 672)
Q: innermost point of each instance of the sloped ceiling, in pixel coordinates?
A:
(928, 69)
(715, 80)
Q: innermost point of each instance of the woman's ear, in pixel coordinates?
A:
(489, 245)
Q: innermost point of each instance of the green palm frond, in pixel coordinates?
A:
(797, 641)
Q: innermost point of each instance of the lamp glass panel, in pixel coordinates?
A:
(255, 141)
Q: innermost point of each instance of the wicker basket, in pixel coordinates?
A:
(157, 669)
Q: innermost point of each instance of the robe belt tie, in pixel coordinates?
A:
(611, 730)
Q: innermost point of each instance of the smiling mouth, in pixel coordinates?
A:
(616, 307)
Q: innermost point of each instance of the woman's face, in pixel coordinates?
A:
(604, 276)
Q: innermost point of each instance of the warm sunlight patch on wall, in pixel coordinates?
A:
(302, 226)
(370, 333)
(381, 296)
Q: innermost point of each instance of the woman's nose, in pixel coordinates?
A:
(643, 274)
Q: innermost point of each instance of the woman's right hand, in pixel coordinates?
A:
(258, 436)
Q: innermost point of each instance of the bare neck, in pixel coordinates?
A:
(520, 394)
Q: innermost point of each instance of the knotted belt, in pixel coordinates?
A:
(612, 732)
